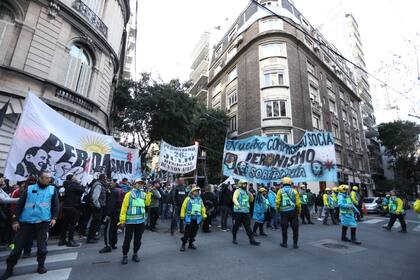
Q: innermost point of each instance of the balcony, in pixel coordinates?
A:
(91, 17)
(76, 99)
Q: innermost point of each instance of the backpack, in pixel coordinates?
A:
(120, 197)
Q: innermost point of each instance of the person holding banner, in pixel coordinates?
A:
(347, 210)
(241, 212)
(192, 213)
(288, 204)
(36, 212)
(133, 215)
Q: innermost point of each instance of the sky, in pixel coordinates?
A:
(389, 29)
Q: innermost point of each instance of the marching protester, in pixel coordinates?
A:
(261, 206)
(304, 200)
(36, 211)
(179, 193)
(124, 185)
(288, 204)
(225, 201)
(192, 213)
(396, 211)
(71, 210)
(114, 201)
(329, 206)
(98, 198)
(347, 217)
(210, 202)
(241, 212)
(273, 221)
(154, 205)
(355, 198)
(133, 216)
(319, 205)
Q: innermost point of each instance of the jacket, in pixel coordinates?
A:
(155, 196)
(193, 209)
(133, 209)
(355, 197)
(225, 198)
(288, 199)
(396, 206)
(416, 206)
(98, 195)
(272, 199)
(179, 193)
(73, 195)
(241, 201)
(261, 206)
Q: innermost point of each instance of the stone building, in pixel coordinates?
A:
(273, 79)
(67, 52)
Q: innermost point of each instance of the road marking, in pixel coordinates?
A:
(396, 225)
(373, 221)
(50, 259)
(59, 274)
(417, 228)
(50, 248)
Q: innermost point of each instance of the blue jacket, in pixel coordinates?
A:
(272, 199)
(38, 205)
(260, 207)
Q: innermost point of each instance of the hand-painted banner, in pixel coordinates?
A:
(46, 141)
(269, 159)
(177, 160)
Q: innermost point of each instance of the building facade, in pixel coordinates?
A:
(199, 75)
(273, 79)
(67, 52)
(130, 69)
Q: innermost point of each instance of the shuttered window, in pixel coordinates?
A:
(79, 70)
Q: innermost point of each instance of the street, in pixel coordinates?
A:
(383, 255)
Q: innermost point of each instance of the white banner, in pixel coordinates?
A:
(46, 141)
(177, 160)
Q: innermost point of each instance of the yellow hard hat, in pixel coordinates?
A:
(261, 190)
(343, 188)
(355, 188)
(335, 189)
(287, 181)
(327, 189)
(242, 181)
(195, 189)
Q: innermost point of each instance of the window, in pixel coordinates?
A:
(310, 67)
(231, 53)
(329, 84)
(270, 50)
(7, 27)
(348, 139)
(79, 70)
(342, 96)
(344, 115)
(217, 89)
(273, 78)
(6, 14)
(316, 121)
(338, 157)
(232, 75)
(232, 33)
(275, 108)
(357, 142)
(94, 5)
(232, 98)
(350, 161)
(233, 123)
(336, 131)
(271, 24)
(333, 107)
(355, 122)
(218, 51)
(282, 136)
(313, 92)
(360, 164)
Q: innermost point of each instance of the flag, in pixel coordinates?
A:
(3, 112)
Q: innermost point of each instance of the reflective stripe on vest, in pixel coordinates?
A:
(38, 204)
(304, 198)
(194, 207)
(349, 208)
(136, 208)
(243, 200)
(286, 201)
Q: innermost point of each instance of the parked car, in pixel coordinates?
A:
(371, 204)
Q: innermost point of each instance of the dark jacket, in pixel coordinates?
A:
(179, 194)
(209, 200)
(73, 195)
(112, 202)
(225, 198)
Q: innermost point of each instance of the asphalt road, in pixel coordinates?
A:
(382, 255)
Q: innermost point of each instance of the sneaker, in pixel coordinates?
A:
(356, 242)
(192, 246)
(153, 229)
(182, 247)
(284, 245)
(72, 244)
(136, 258)
(295, 246)
(263, 234)
(106, 249)
(124, 260)
(41, 269)
(254, 243)
(113, 247)
(62, 242)
(234, 241)
(345, 239)
(224, 229)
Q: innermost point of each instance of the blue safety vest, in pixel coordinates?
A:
(288, 200)
(193, 211)
(37, 207)
(243, 200)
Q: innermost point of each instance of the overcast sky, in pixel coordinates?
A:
(168, 31)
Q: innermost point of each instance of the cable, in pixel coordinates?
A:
(291, 22)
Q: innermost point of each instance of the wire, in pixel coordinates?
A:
(291, 22)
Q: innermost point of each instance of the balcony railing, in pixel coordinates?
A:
(90, 15)
(75, 99)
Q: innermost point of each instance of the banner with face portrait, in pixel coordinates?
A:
(268, 159)
(178, 160)
(46, 141)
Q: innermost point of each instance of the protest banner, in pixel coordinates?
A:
(268, 159)
(46, 141)
(177, 160)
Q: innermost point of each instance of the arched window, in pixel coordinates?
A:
(7, 24)
(79, 70)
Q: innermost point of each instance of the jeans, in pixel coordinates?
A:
(71, 216)
(130, 230)
(224, 214)
(305, 214)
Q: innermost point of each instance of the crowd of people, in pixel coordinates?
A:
(35, 209)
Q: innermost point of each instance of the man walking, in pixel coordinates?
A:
(154, 205)
(225, 205)
(396, 211)
(36, 212)
(98, 203)
(178, 194)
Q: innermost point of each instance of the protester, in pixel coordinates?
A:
(225, 201)
(71, 210)
(154, 205)
(133, 216)
(241, 212)
(210, 202)
(98, 197)
(347, 219)
(319, 205)
(288, 204)
(261, 206)
(179, 193)
(193, 212)
(304, 200)
(329, 206)
(124, 185)
(36, 212)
